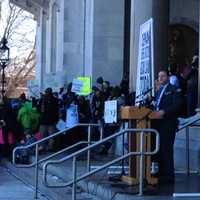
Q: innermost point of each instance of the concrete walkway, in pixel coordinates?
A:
(97, 187)
(11, 188)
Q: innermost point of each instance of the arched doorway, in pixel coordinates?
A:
(183, 45)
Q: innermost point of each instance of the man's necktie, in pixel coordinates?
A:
(158, 97)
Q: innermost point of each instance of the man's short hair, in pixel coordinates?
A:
(165, 71)
(49, 90)
(99, 80)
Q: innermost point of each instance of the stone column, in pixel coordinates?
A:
(89, 34)
(108, 40)
(60, 38)
(54, 38)
(141, 11)
(74, 38)
(199, 67)
(41, 48)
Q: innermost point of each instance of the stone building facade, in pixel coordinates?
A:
(100, 38)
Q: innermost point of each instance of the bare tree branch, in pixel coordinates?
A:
(14, 22)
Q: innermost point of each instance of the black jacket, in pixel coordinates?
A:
(49, 111)
(171, 102)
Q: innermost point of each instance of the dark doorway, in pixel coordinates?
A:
(183, 45)
(183, 62)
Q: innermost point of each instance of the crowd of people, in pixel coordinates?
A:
(24, 121)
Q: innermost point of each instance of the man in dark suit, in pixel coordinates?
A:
(167, 106)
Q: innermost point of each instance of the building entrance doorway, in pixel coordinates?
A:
(183, 45)
(183, 62)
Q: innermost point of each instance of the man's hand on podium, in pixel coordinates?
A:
(159, 114)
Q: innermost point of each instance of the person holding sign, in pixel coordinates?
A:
(167, 106)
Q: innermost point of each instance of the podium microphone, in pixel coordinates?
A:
(143, 101)
(144, 93)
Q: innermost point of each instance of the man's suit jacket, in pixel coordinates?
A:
(171, 102)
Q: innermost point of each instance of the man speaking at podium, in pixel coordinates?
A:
(167, 107)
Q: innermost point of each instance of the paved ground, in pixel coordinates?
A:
(96, 187)
(11, 188)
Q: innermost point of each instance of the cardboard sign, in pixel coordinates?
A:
(55, 80)
(33, 88)
(82, 86)
(86, 89)
(77, 86)
(72, 116)
(110, 111)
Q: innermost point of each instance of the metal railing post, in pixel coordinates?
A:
(101, 132)
(141, 163)
(88, 153)
(36, 171)
(38, 161)
(142, 153)
(187, 150)
(186, 195)
(74, 179)
(123, 150)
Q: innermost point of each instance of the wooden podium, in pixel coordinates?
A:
(138, 118)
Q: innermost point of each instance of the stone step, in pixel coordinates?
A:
(28, 176)
(98, 186)
(194, 147)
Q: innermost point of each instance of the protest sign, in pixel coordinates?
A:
(86, 89)
(110, 111)
(72, 116)
(82, 86)
(145, 68)
(33, 88)
(77, 86)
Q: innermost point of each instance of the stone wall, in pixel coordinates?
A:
(185, 12)
(73, 38)
(108, 40)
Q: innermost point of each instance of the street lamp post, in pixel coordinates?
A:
(4, 59)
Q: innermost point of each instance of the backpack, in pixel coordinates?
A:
(23, 155)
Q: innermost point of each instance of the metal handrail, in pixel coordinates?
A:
(189, 123)
(193, 194)
(45, 139)
(51, 156)
(141, 153)
(36, 144)
(187, 138)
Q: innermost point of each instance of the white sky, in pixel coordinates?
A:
(23, 36)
